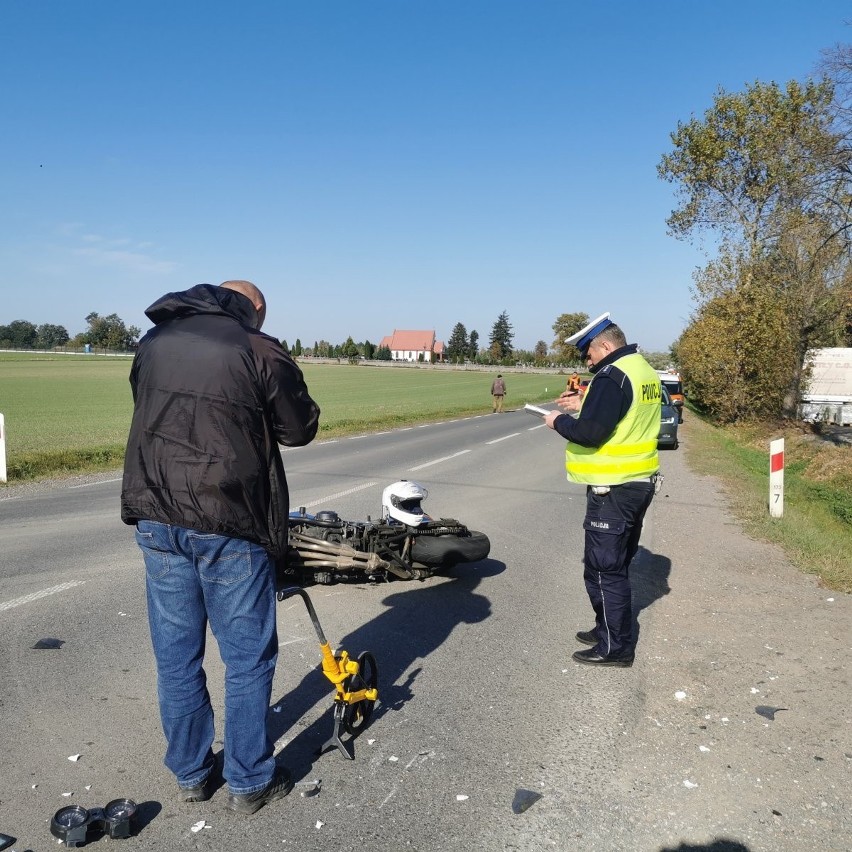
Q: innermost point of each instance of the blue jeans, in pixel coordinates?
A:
(193, 578)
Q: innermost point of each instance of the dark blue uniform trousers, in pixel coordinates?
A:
(613, 525)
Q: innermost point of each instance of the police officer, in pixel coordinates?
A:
(612, 450)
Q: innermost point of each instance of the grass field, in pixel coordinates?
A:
(72, 412)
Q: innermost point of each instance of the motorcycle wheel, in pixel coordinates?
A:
(444, 551)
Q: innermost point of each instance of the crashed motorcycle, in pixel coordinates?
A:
(405, 542)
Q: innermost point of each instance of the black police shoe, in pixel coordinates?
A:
(247, 803)
(587, 637)
(592, 658)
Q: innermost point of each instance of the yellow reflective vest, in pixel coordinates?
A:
(631, 451)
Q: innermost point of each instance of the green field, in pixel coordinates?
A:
(67, 413)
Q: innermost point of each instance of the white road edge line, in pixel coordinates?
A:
(89, 484)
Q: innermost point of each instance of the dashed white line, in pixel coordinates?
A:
(36, 595)
(339, 494)
(438, 461)
(505, 437)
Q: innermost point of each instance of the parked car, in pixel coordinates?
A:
(672, 383)
(668, 422)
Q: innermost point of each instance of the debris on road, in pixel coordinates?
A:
(767, 712)
(524, 800)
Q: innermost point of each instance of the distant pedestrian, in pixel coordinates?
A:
(498, 391)
(204, 485)
(612, 450)
(573, 384)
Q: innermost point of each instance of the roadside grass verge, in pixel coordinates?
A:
(816, 529)
(70, 414)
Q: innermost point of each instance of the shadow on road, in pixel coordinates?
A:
(721, 844)
(418, 619)
(649, 579)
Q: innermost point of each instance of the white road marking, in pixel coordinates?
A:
(339, 494)
(438, 461)
(505, 437)
(88, 484)
(42, 594)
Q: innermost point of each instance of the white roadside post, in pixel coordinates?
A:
(2, 449)
(776, 478)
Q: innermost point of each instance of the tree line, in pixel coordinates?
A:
(463, 346)
(109, 332)
(767, 174)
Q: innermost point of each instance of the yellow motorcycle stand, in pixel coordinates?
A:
(354, 682)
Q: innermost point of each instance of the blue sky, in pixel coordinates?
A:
(370, 165)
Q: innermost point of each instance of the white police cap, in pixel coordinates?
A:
(587, 334)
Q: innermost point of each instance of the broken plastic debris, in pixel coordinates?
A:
(680, 695)
(48, 644)
(198, 826)
(830, 600)
(754, 690)
(88, 786)
(73, 757)
(276, 709)
(370, 742)
(767, 712)
(320, 824)
(462, 798)
(524, 800)
(312, 788)
(393, 758)
(67, 794)
(703, 748)
(689, 784)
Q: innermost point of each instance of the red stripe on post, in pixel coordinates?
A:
(776, 462)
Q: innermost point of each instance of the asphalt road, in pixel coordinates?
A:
(478, 697)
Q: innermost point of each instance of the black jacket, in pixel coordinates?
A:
(213, 400)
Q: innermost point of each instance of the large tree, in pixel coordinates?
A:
(109, 332)
(19, 334)
(502, 336)
(563, 328)
(49, 335)
(473, 345)
(457, 345)
(767, 171)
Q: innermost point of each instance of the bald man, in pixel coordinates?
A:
(204, 485)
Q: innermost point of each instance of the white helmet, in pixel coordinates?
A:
(401, 501)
